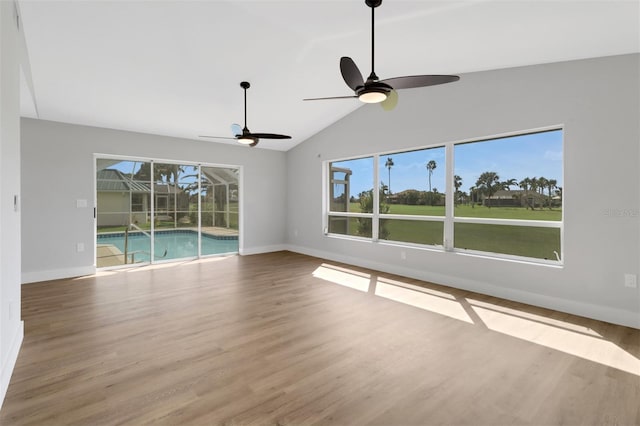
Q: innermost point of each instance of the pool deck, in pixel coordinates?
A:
(214, 230)
(108, 255)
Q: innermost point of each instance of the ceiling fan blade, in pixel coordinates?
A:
(391, 101)
(331, 97)
(215, 137)
(350, 73)
(236, 129)
(412, 81)
(269, 136)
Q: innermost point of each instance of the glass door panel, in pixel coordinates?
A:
(175, 236)
(123, 212)
(219, 205)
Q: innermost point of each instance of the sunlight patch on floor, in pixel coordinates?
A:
(590, 347)
(537, 318)
(343, 276)
(570, 338)
(423, 298)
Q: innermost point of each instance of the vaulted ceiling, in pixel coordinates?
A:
(174, 67)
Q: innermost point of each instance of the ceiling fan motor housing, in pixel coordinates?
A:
(373, 3)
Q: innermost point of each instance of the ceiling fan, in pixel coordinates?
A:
(243, 135)
(374, 90)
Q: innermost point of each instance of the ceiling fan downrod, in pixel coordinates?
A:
(245, 85)
(373, 4)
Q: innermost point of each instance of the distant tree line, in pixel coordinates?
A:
(535, 192)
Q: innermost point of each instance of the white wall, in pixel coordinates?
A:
(11, 327)
(58, 169)
(596, 101)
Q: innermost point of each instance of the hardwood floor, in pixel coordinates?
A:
(283, 338)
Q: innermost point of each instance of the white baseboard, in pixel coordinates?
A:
(10, 363)
(601, 313)
(56, 274)
(264, 249)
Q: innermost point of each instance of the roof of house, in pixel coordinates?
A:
(112, 180)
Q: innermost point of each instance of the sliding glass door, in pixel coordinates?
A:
(150, 211)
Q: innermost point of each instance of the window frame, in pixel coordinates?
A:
(449, 218)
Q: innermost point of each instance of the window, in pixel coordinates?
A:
(137, 202)
(500, 196)
(412, 208)
(514, 201)
(351, 198)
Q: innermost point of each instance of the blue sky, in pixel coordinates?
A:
(532, 155)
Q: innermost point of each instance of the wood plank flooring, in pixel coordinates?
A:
(283, 338)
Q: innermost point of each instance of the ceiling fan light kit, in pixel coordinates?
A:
(245, 141)
(373, 96)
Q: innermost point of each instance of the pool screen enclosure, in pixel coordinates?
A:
(148, 211)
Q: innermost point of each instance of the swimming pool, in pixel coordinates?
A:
(174, 244)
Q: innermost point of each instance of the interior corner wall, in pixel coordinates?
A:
(597, 102)
(58, 170)
(11, 325)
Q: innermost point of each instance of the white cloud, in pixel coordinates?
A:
(553, 155)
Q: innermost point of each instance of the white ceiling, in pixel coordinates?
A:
(174, 67)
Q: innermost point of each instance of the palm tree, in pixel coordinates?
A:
(457, 183)
(507, 184)
(488, 182)
(534, 186)
(551, 184)
(525, 185)
(431, 166)
(542, 185)
(472, 196)
(388, 165)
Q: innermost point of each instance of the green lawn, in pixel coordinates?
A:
(477, 211)
(536, 242)
(418, 232)
(527, 241)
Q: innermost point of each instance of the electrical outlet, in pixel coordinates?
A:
(631, 280)
(10, 309)
(403, 255)
(80, 247)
